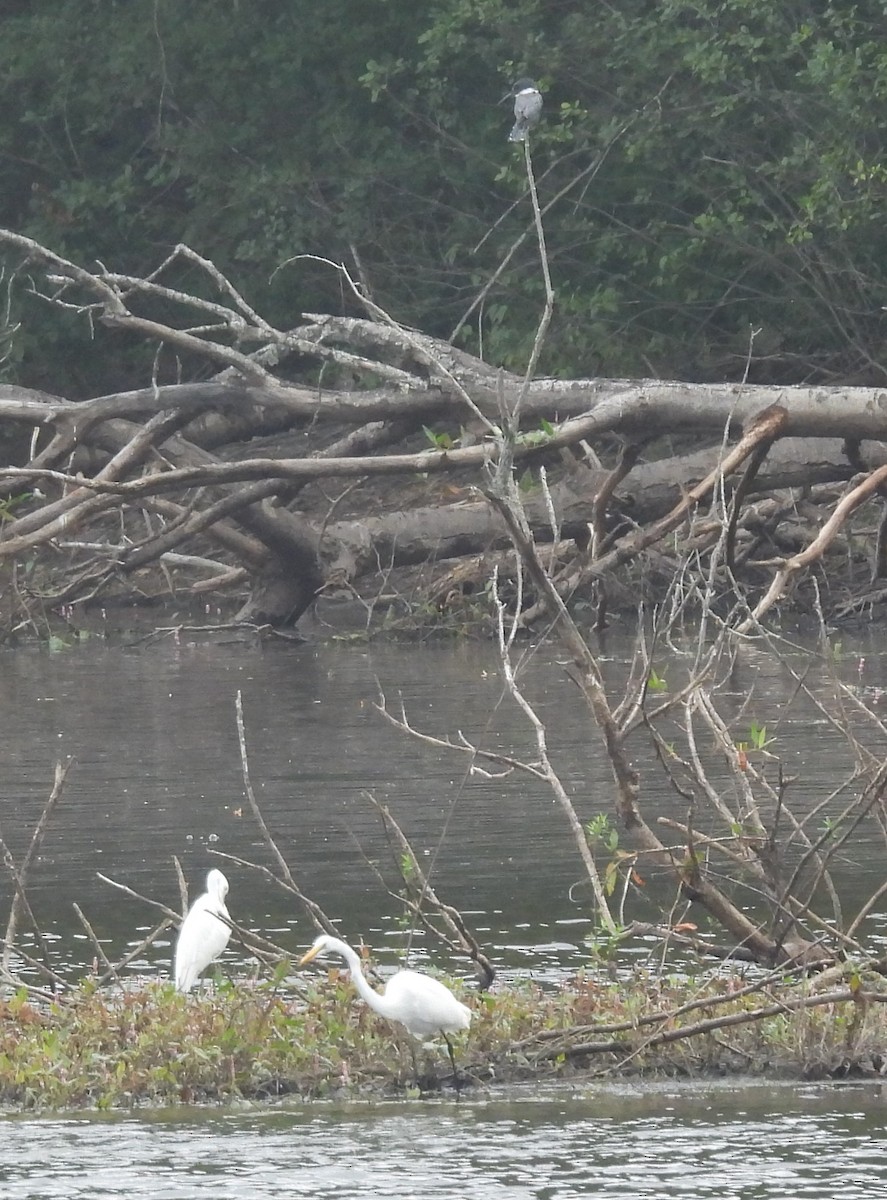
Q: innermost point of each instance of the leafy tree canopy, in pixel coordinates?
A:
(714, 171)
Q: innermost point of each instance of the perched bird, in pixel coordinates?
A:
(527, 109)
(422, 1004)
(204, 934)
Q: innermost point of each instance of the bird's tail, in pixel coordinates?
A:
(519, 132)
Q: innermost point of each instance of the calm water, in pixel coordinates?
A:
(694, 1144)
(158, 774)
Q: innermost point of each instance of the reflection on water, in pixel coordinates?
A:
(158, 774)
(756, 1143)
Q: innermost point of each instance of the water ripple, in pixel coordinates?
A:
(752, 1144)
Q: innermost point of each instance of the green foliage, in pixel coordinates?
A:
(536, 437)
(440, 441)
(706, 169)
(655, 683)
(600, 831)
(604, 944)
(11, 503)
(527, 482)
(757, 736)
(104, 1049)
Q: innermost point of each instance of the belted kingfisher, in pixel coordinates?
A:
(527, 109)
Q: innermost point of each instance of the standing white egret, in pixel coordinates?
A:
(204, 935)
(423, 1005)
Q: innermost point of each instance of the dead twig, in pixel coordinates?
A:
(20, 874)
(416, 881)
(315, 912)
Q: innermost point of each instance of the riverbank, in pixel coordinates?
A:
(128, 1048)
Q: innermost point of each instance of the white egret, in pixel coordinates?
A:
(423, 1005)
(204, 933)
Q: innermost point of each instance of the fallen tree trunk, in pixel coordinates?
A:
(606, 479)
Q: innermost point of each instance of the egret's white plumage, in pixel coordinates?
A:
(422, 1004)
(203, 935)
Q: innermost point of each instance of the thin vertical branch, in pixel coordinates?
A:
(20, 875)
(110, 969)
(318, 916)
(547, 770)
(415, 879)
(545, 319)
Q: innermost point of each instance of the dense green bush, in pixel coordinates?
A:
(720, 164)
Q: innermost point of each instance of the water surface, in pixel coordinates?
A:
(158, 774)
(690, 1143)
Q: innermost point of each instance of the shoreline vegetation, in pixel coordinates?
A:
(111, 1041)
(148, 1045)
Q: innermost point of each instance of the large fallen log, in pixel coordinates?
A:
(611, 466)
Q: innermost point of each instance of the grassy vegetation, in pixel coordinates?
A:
(123, 1048)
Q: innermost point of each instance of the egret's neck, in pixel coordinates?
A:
(373, 998)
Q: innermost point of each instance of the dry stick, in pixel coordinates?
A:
(668, 934)
(842, 996)
(262, 942)
(242, 545)
(792, 908)
(415, 343)
(175, 917)
(545, 772)
(451, 917)
(823, 875)
(671, 1014)
(170, 915)
(766, 426)
(813, 848)
(261, 948)
(463, 746)
(183, 885)
(588, 173)
(818, 546)
(587, 676)
(20, 875)
(547, 311)
(25, 906)
(549, 773)
(295, 470)
(742, 489)
(628, 458)
(32, 990)
(842, 727)
(866, 909)
(110, 969)
(875, 787)
(763, 429)
(43, 967)
(246, 312)
(316, 913)
(68, 512)
(143, 945)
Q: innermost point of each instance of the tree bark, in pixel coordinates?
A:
(246, 463)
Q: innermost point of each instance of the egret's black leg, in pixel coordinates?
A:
(456, 1081)
(415, 1064)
